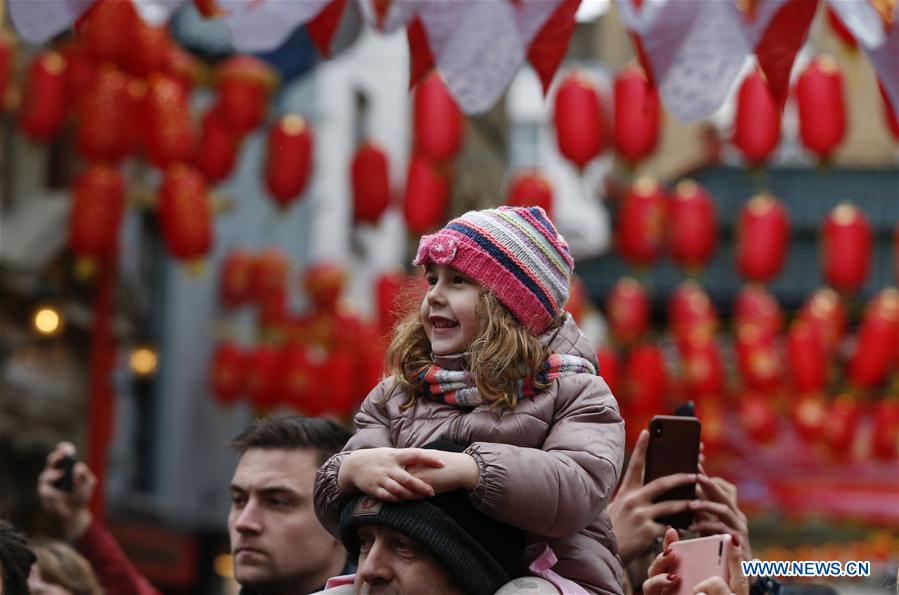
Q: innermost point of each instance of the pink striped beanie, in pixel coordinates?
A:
(515, 252)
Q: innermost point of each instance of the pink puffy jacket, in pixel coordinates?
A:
(548, 466)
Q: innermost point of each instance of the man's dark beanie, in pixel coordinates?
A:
(481, 554)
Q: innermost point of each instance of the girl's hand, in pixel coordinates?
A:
(633, 512)
(717, 511)
(663, 578)
(382, 473)
(459, 471)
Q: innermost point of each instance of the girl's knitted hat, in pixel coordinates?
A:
(515, 252)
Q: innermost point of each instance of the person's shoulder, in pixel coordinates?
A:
(528, 585)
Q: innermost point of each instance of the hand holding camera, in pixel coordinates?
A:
(65, 487)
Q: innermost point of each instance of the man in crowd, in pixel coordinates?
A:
(440, 545)
(277, 543)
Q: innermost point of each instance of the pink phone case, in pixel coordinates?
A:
(699, 559)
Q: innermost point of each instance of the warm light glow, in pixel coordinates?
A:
(223, 565)
(47, 321)
(143, 361)
(293, 124)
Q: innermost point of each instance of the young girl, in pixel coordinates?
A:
(493, 360)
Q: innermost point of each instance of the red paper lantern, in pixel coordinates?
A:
(234, 282)
(97, 206)
(809, 413)
(324, 283)
(885, 435)
(846, 240)
(628, 309)
(298, 378)
(878, 337)
(6, 62)
(824, 312)
(427, 196)
(339, 366)
(757, 119)
(289, 159)
(840, 30)
(108, 29)
(690, 309)
(371, 183)
(243, 84)
(530, 189)
(44, 103)
(373, 353)
(184, 213)
(268, 273)
(101, 131)
(807, 357)
(703, 368)
(81, 74)
(822, 112)
(714, 427)
(758, 416)
(217, 149)
(148, 52)
(388, 293)
(757, 359)
(169, 130)
(273, 312)
(438, 122)
(577, 300)
(754, 305)
(134, 101)
(263, 377)
(609, 367)
(842, 425)
(636, 115)
(646, 379)
(578, 119)
(183, 68)
(641, 223)
(692, 226)
(763, 234)
(227, 373)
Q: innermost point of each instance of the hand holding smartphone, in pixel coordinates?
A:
(673, 448)
(700, 559)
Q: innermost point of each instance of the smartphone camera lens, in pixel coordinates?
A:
(657, 431)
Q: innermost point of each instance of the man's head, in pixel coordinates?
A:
(277, 543)
(436, 545)
(15, 561)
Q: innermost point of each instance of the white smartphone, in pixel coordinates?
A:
(699, 559)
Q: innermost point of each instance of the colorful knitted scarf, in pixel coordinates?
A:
(458, 387)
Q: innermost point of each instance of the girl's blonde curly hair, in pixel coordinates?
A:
(502, 352)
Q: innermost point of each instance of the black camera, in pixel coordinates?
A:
(66, 481)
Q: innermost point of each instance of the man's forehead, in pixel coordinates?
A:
(263, 467)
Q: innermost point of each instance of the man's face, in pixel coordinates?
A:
(276, 541)
(390, 562)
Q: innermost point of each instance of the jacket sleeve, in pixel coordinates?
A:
(116, 573)
(560, 489)
(372, 430)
